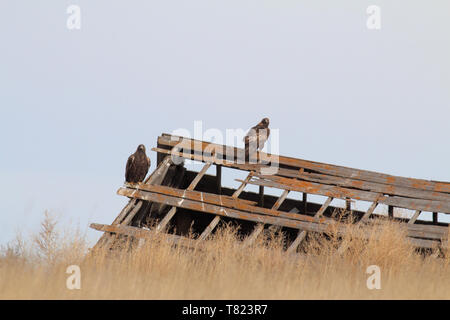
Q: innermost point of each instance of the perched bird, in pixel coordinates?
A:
(256, 138)
(137, 165)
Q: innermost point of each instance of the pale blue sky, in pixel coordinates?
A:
(75, 104)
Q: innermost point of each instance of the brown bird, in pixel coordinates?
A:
(137, 166)
(256, 138)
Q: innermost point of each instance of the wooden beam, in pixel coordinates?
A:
(160, 193)
(315, 226)
(391, 212)
(260, 227)
(348, 205)
(369, 211)
(302, 234)
(154, 178)
(261, 196)
(339, 171)
(366, 216)
(191, 187)
(305, 203)
(414, 217)
(363, 185)
(342, 193)
(219, 179)
(216, 219)
(435, 217)
(140, 233)
(219, 200)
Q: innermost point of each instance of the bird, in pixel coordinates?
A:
(256, 137)
(137, 166)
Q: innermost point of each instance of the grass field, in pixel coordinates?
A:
(35, 268)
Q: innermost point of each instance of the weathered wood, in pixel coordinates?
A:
(219, 179)
(333, 170)
(364, 185)
(191, 187)
(369, 211)
(154, 177)
(366, 216)
(305, 203)
(260, 227)
(132, 213)
(435, 217)
(216, 219)
(342, 193)
(199, 206)
(391, 212)
(348, 205)
(261, 196)
(324, 207)
(315, 226)
(414, 217)
(219, 200)
(140, 233)
(302, 234)
(408, 203)
(224, 202)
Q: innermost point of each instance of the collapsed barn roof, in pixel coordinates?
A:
(175, 198)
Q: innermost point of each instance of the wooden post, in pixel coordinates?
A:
(216, 219)
(348, 205)
(391, 211)
(159, 156)
(435, 217)
(219, 179)
(302, 233)
(191, 187)
(305, 203)
(261, 196)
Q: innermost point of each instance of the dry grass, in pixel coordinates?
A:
(36, 269)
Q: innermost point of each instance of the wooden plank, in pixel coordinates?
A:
(260, 227)
(414, 217)
(261, 196)
(199, 206)
(153, 178)
(364, 185)
(248, 207)
(280, 200)
(305, 203)
(366, 216)
(369, 211)
(219, 179)
(132, 213)
(219, 200)
(302, 234)
(342, 193)
(391, 212)
(238, 214)
(348, 205)
(324, 207)
(332, 180)
(435, 217)
(145, 234)
(216, 219)
(334, 170)
(191, 187)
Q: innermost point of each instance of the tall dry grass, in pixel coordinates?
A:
(35, 268)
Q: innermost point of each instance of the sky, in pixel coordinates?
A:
(76, 103)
